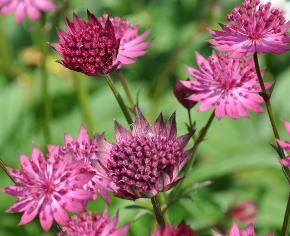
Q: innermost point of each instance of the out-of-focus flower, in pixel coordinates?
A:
(182, 93)
(32, 8)
(254, 28)
(89, 224)
(48, 188)
(235, 231)
(84, 149)
(181, 230)
(100, 45)
(285, 145)
(132, 45)
(245, 212)
(145, 161)
(229, 85)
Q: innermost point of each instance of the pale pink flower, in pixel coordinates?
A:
(228, 85)
(235, 231)
(89, 224)
(100, 45)
(48, 188)
(245, 212)
(31, 8)
(255, 28)
(146, 160)
(285, 145)
(181, 230)
(84, 149)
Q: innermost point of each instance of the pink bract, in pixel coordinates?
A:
(286, 146)
(100, 45)
(228, 85)
(89, 224)
(181, 230)
(144, 161)
(235, 231)
(254, 28)
(32, 8)
(84, 149)
(48, 187)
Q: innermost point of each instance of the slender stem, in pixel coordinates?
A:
(286, 222)
(119, 99)
(189, 164)
(3, 167)
(157, 211)
(190, 119)
(82, 90)
(266, 97)
(44, 87)
(126, 88)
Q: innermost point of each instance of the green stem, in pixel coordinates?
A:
(82, 91)
(126, 88)
(3, 167)
(266, 97)
(189, 164)
(157, 211)
(119, 99)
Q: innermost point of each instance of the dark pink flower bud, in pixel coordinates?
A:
(181, 230)
(182, 93)
(245, 212)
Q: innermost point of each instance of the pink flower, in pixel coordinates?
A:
(100, 45)
(48, 188)
(229, 85)
(181, 93)
(235, 231)
(32, 8)
(146, 160)
(254, 28)
(244, 212)
(84, 149)
(181, 230)
(132, 45)
(89, 224)
(285, 145)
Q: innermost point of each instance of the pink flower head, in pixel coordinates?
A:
(285, 145)
(181, 230)
(31, 8)
(181, 93)
(100, 45)
(235, 231)
(254, 28)
(89, 46)
(48, 188)
(229, 85)
(132, 45)
(89, 224)
(146, 160)
(244, 212)
(84, 149)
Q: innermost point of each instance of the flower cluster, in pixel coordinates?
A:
(235, 231)
(181, 230)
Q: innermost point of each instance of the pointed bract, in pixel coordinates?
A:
(181, 230)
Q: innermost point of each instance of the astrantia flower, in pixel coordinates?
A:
(181, 230)
(229, 85)
(145, 161)
(89, 224)
(235, 231)
(132, 45)
(254, 28)
(285, 145)
(48, 188)
(181, 93)
(84, 149)
(244, 212)
(100, 45)
(31, 8)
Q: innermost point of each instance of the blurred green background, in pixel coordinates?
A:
(236, 156)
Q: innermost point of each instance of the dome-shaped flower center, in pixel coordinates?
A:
(139, 162)
(48, 188)
(92, 50)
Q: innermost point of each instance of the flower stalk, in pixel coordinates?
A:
(126, 89)
(266, 97)
(119, 99)
(3, 167)
(157, 211)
